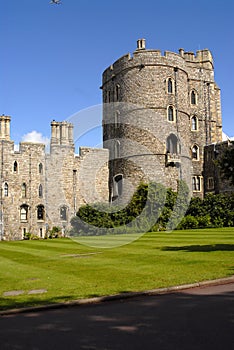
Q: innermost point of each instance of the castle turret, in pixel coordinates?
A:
(5, 127)
(61, 134)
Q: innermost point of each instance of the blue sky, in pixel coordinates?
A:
(52, 57)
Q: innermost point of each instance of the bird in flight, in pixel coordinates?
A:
(57, 2)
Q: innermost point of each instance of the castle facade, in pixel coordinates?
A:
(161, 122)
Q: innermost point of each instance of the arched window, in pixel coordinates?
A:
(24, 190)
(40, 212)
(6, 189)
(172, 144)
(40, 167)
(117, 92)
(170, 113)
(194, 123)
(24, 212)
(116, 149)
(63, 213)
(193, 97)
(195, 152)
(118, 185)
(15, 167)
(40, 191)
(170, 86)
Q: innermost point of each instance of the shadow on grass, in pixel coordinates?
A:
(202, 248)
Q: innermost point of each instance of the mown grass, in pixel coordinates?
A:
(68, 270)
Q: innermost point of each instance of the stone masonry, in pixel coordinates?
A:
(41, 190)
(159, 113)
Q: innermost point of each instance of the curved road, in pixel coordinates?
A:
(199, 318)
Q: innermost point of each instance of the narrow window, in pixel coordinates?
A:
(194, 123)
(6, 190)
(117, 149)
(24, 190)
(24, 212)
(170, 114)
(41, 233)
(40, 212)
(63, 213)
(40, 168)
(117, 92)
(117, 118)
(195, 152)
(118, 186)
(169, 86)
(40, 191)
(15, 167)
(193, 98)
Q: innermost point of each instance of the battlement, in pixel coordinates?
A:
(143, 57)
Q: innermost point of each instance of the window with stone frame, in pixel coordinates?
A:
(15, 167)
(116, 149)
(63, 213)
(40, 212)
(118, 185)
(40, 168)
(172, 144)
(195, 152)
(6, 189)
(196, 183)
(117, 92)
(210, 183)
(117, 119)
(170, 114)
(170, 86)
(194, 123)
(193, 97)
(24, 212)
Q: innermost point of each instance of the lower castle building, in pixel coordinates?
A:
(41, 190)
(161, 122)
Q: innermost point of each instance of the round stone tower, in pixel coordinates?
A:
(159, 111)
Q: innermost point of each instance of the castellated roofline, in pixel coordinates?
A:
(143, 56)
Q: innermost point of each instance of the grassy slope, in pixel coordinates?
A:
(68, 271)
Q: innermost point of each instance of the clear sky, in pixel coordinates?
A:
(53, 56)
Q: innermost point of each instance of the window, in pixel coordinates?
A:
(193, 98)
(40, 168)
(170, 86)
(195, 152)
(172, 144)
(63, 213)
(117, 92)
(24, 190)
(210, 184)
(15, 167)
(170, 114)
(6, 190)
(117, 118)
(118, 185)
(196, 183)
(40, 212)
(194, 124)
(116, 149)
(24, 212)
(40, 191)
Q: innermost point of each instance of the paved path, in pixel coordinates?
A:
(199, 318)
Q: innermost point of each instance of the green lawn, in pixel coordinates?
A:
(68, 270)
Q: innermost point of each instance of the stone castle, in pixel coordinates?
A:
(161, 116)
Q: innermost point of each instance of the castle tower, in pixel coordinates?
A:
(159, 112)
